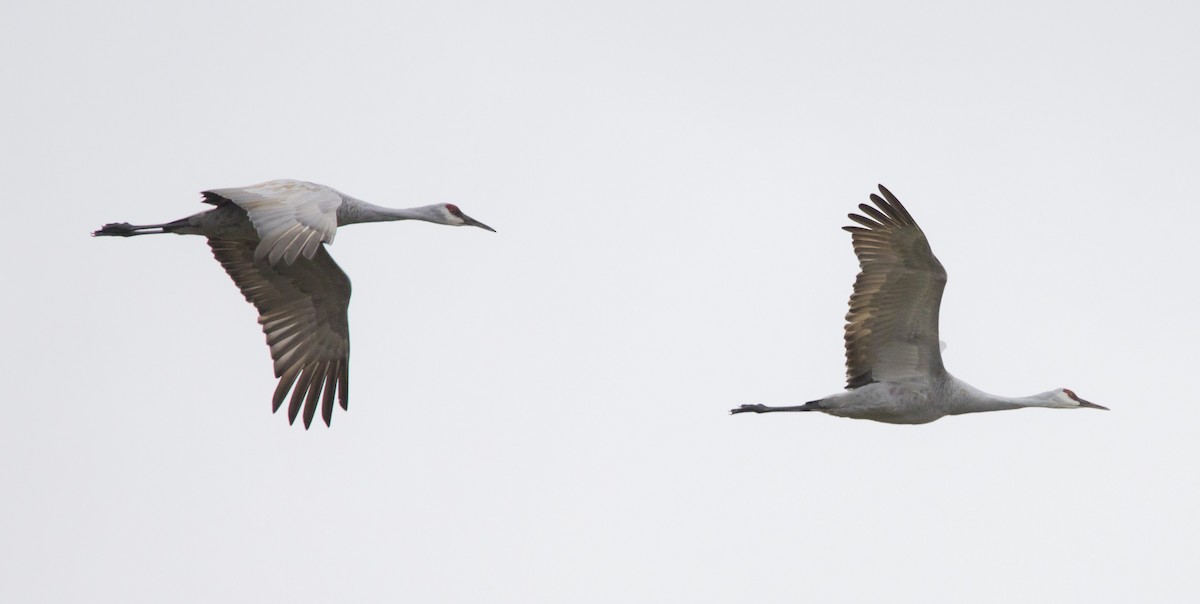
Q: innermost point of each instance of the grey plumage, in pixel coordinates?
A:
(270, 238)
(894, 370)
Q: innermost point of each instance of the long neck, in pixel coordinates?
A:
(964, 398)
(353, 211)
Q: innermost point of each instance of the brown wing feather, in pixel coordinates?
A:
(892, 326)
(302, 310)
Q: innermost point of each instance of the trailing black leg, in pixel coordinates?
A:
(124, 229)
(809, 406)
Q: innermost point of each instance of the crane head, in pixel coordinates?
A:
(1069, 399)
(455, 217)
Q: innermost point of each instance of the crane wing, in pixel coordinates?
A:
(292, 217)
(302, 310)
(892, 326)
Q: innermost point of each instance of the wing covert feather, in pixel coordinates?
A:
(292, 217)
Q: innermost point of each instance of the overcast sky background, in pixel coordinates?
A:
(540, 414)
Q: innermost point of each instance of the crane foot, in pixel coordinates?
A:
(749, 409)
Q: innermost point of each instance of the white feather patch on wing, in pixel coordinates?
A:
(292, 217)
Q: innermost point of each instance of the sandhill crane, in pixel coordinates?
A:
(893, 356)
(269, 237)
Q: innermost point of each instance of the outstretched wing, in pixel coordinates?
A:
(302, 310)
(292, 217)
(892, 326)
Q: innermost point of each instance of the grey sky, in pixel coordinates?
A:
(540, 414)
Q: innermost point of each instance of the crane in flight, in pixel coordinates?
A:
(893, 355)
(269, 237)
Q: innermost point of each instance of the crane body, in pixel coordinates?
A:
(270, 238)
(893, 355)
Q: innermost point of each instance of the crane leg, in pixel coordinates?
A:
(809, 406)
(124, 229)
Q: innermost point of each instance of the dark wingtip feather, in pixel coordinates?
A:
(285, 384)
(344, 386)
(315, 387)
(298, 393)
(886, 217)
(863, 220)
(901, 213)
(331, 375)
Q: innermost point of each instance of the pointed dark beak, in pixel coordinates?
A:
(475, 223)
(1083, 403)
